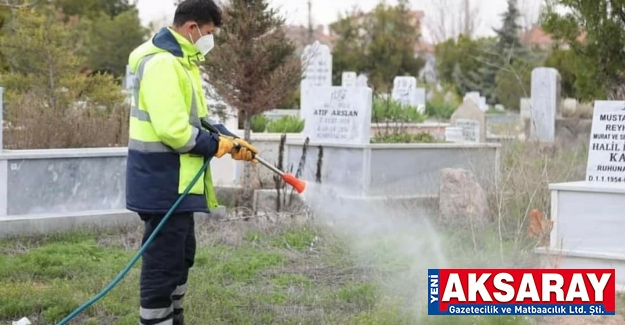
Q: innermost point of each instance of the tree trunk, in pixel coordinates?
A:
(247, 167)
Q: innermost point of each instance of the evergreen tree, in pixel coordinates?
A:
(253, 66)
(109, 41)
(380, 44)
(93, 8)
(108, 30)
(45, 69)
(509, 44)
(505, 54)
(488, 72)
(4, 17)
(469, 65)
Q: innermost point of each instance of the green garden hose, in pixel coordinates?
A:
(135, 258)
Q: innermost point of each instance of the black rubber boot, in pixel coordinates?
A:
(179, 318)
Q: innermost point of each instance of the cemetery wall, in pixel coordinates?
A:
(415, 170)
(61, 181)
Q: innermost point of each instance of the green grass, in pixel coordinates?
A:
(244, 274)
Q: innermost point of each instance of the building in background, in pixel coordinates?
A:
(300, 35)
(537, 38)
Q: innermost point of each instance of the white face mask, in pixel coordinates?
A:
(205, 43)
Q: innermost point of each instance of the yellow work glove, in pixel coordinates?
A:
(226, 145)
(245, 152)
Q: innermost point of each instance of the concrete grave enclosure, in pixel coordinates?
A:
(587, 215)
(73, 187)
(587, 228)
(386, 170)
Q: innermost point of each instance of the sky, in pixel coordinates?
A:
(326, 11)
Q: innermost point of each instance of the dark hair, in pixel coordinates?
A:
(201, 11)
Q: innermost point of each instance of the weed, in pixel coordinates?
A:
(286, 124)
(386, 110)
(440, 109)
(259, 123)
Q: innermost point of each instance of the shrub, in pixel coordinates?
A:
(286, 124)
(36, 126)
(50, 101)
(442, 102)
(388, 110)
(259, 123)
(440, 109)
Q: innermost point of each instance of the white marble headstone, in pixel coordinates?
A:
(349, 79)
(483, 106)
(477, 99)
(606, 152)
(405, 91)
(129, 80)
(525, 108)
(472, 120)
(362, 81)
(545, 101)
(317, 63)
(474, 96)
(338, 115)
(1, 127)
(471, 129)
(404, 83)
(421, 99)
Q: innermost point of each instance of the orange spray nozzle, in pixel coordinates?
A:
(297, 184)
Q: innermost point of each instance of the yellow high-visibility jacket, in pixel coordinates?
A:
(167, 145)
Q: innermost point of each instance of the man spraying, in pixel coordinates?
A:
(166, 149)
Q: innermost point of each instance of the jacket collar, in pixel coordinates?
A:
(172, 42)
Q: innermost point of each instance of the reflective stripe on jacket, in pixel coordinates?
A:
(167, 146)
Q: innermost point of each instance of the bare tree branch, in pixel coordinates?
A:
(445, 23)
(529, 10)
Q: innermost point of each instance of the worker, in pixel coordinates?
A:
(166, 149)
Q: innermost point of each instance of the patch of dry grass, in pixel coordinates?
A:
(38, 127)
(247, 272)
